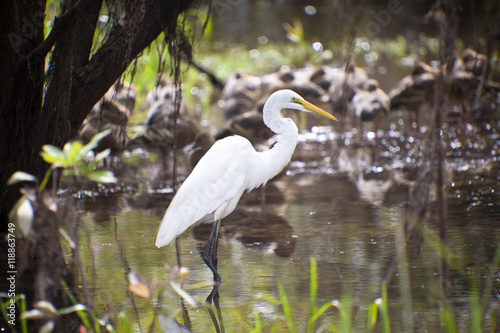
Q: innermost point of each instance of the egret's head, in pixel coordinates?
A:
(287, 99)
(298, 103)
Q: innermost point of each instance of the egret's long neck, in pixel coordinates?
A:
(269, 163)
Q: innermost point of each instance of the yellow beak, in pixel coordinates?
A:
(313, 108)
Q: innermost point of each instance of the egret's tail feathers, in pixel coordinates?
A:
(168, 232)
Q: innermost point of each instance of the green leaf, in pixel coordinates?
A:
(83, 168)
(70, 309)
(67, 148)
(72, 152)
(94, 142)
(46, 178)
(103, 154)
(384, 310)
(313, 277)
(270, 299)
(53, 155)
(20, 176)
(102, 176)
(439, 246)
(125, 322)
(258, 325)
(371, 318)
(448, 320)
(313, 284)
(286, 308)
(84, 315)
(314, 317)
(99, 157)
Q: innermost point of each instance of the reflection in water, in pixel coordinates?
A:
(360, 215)
(372, 188)
(365, 209)
(261, 230)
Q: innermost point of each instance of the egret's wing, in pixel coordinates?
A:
(217, 178)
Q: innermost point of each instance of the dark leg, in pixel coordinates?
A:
(464, 117)
(217, 280)
(210, 258)
(262, 196)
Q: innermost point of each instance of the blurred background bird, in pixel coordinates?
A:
(370, 105)
(111, 112)
(414, 92)
(240, 94)
(163, 129)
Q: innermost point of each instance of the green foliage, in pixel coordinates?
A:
(384, 310)
(44, 310)
(315, 313)
(257, 324)
(377, 311)
(286, 309)
(344, 307)
(71, 159)
(371, 317)
(448, 319)
(295, 32)
(85, 315)
(20, 301)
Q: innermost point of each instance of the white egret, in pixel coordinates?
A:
(230, 167)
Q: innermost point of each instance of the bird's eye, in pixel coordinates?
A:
(295, 100)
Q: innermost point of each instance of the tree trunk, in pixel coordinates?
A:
(21, 88)
(77, 78)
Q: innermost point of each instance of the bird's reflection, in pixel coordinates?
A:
(103, 207)
(262, 230)
(373, 187)
(372, 182)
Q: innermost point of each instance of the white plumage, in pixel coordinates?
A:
(232, 166)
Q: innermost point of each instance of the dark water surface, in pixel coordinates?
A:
(349, 206)
(364, 206)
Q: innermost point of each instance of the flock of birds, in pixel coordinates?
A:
(345, 90)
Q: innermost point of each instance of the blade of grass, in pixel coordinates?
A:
(313, 276)
(345, 314)
(24, 308)
(46, 178)
(477, 312)
(21, 302)
(93, 143)
(448, 320)
(286, 308)
(317, 314)
(384, 310)
(124, 321)
(371, 317)
(270, 299)
(313, 285)
(258, 325)
(81, 314)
